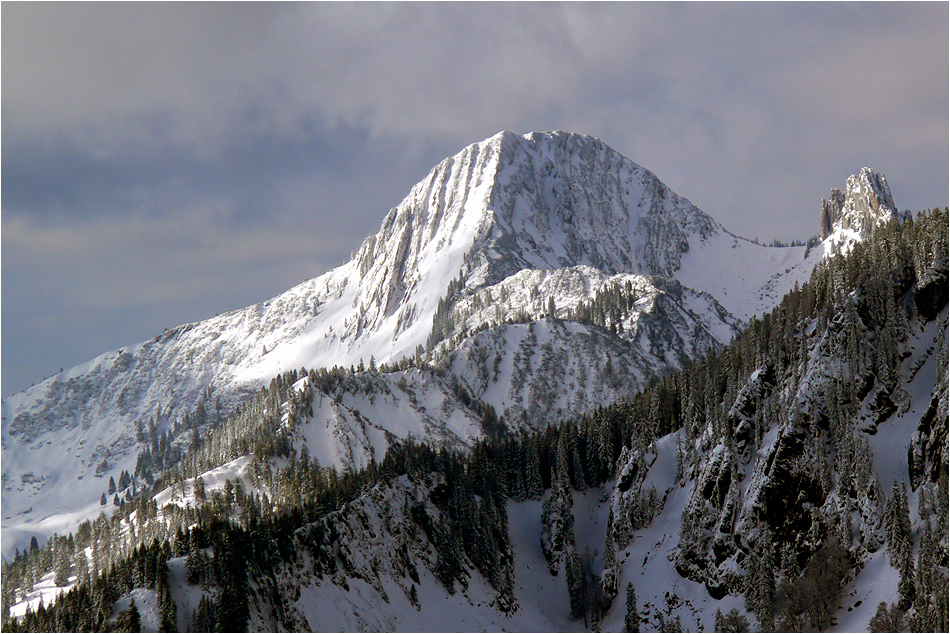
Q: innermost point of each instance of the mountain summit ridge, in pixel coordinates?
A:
(613, 214)
(542, 200)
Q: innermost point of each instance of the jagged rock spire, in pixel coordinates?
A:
(865, 203)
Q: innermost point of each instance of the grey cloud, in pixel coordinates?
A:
(63, 179)
(303, 123)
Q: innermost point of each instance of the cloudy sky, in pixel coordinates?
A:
(162, 163)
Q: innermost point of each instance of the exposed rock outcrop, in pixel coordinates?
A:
(865, 203)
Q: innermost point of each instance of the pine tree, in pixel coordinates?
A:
(733, 621)
(484, 552)
(449, 565)
(578, 481)
(897, 527)
(761, 586)
(906, 588)
(605, 447)
(135, 619)
(575, 584)
(631, 621)
(195, 564)
(202, 619)
(534, 486)
(200, 494)
(561, 468)
(61, 564)
(232, 609)
(887, 619)
(903, 521)
(82, 566)
(166, 609)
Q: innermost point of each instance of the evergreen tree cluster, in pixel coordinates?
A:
(609, 307)
(443, 321)
(861, 307)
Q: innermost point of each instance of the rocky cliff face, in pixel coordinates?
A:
(565, 200)
(865, 203)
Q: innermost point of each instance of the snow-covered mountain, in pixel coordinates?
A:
(528, 229)
(795, 481)
(811, 493)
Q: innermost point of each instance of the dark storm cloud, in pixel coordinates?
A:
(164, 162)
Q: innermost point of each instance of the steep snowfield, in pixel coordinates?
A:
(877, 581)
(557, 210)
(375, 596)
(748, 279)
(362, 608)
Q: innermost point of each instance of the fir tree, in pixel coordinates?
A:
(631, 621)
(887, 619)
(534, 486)
(61, 565)
(718, 622)
(135, 619)
(200, 494)
(732, 621)
(575, 585)
(906, 588)
(761, 586)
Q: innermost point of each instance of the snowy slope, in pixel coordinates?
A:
(678, 573)
(374, 590)
(877, 581)
(532, 374)
(813, 423)
(375, 598)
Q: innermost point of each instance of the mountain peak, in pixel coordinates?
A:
(563, 199)
(543, 200)
(865, 203)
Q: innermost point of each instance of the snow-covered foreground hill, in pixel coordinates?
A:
(367, 594)
(510, 231)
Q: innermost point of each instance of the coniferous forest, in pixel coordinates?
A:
(772, 435)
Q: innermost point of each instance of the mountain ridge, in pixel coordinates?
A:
(507, 206)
